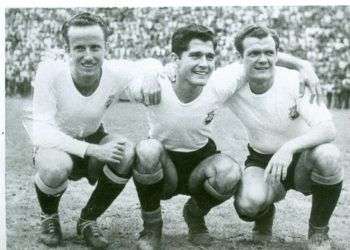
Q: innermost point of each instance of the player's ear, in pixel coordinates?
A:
(174, 58)
(66, 47)
(239, 56)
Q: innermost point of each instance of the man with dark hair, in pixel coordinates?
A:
(254, 31)
(70, 100)
(289, 139)
(183, 36)
(82, 20)
(179, 157)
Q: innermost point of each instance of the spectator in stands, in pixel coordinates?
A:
(143, 32)
(328, 90)
(346, 87)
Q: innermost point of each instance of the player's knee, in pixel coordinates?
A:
(327, 169)
(148, 154)
(54, 166)
(148, 169)
(227, 175)
(249, 205)
(325, 155)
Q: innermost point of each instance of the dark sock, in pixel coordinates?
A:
(324, 200)
(266, 213)
(102, 197)
(48, 203)
(264, 220)
(205, 201)
(149, 195)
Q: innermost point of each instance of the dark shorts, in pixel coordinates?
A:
(80, 165)
(185, 163)
(255, 159)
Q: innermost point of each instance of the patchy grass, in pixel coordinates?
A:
(122, 222)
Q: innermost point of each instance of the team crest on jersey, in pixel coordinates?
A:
(209, 118)
(109, 101)
(293, 112)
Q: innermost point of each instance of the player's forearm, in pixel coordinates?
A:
(322, 133)
(292, 62)
(48, 136)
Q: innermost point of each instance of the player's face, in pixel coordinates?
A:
(197, 63)
(86, 49)
(259, 58)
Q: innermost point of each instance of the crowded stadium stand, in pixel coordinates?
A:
(318, 34)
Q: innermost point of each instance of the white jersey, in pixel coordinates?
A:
(276, 116)
(225, 81)
(182, 127)
(62, 116)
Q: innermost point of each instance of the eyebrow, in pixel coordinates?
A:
(258, 50)
(201, 53)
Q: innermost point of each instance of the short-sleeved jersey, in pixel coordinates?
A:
(62, 116)
(182, 127)
(278, 115)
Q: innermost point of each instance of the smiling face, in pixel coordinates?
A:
(196, 64)
(259, 58)
(86, 50)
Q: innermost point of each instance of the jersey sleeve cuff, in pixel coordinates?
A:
(79, 148)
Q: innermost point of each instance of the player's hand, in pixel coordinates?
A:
(150, 89)
(308, 78)
(112, 152)
(277, 167)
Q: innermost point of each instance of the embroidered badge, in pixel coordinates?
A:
(293, 112)
(109, 101)
(209, 117)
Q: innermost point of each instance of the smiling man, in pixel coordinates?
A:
(289, 138)
(70, 100)
(180, 157)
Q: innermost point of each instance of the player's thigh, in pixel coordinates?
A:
(302, 173)
(320, 161)
(218, 171)
(54, 166)
(170, 176)
(253, 190)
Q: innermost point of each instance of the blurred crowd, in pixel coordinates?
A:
(318, 34)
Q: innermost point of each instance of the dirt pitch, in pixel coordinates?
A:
(121, 222)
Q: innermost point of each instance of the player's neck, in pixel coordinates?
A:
(86, 85)
(258, 86)
(186, 92)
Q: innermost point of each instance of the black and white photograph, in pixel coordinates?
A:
(177, 127)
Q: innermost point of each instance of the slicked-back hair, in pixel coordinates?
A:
(85, 19)
(184, 35)
(257, 31)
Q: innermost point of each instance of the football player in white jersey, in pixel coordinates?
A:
(289, 139)
(180, 157)
(70, 100)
